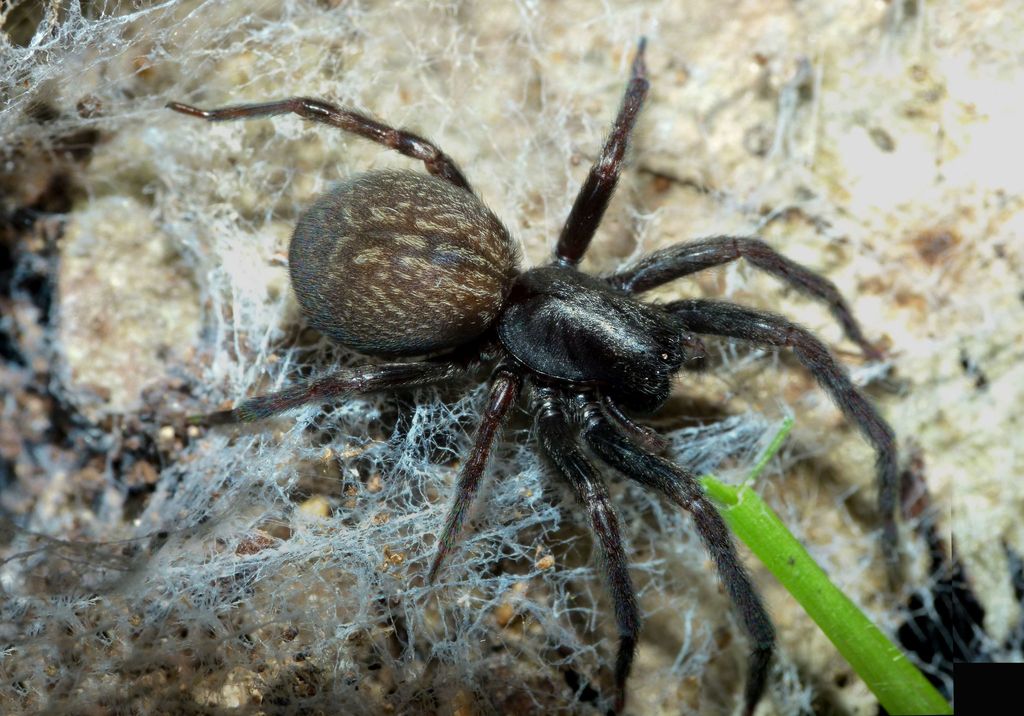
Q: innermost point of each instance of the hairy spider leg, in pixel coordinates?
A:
(558, 441)
(687, 258)
(726, 319)
(411, 145)
(361, 379)
(599, 186)
(504, 392)
(616, 450)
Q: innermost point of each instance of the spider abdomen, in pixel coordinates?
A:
(397, 263)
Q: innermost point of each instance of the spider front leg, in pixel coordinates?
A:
(688, 258)
(619, 452)
(599, 186)
(411, 145)
(504, 392)
(558, 441)
(726, 319)
(362, 379)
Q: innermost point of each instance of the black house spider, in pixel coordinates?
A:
(397, 263)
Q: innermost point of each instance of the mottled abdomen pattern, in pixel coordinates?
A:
(398, 263)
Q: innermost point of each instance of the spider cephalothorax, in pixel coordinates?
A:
(401, 264)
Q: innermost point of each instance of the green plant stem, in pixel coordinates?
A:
(897, 683)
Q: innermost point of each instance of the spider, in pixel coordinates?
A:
(400, 264)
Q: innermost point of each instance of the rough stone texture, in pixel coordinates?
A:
(875, 143)
(127, 305)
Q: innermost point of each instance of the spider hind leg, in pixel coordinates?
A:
(411, 145)
(504, 392)
(361, 379)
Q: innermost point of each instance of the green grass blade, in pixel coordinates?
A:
(897, 683)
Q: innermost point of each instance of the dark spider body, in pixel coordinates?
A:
(566, 325)
(398, 263)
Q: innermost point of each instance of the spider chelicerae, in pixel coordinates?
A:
(396, 263)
